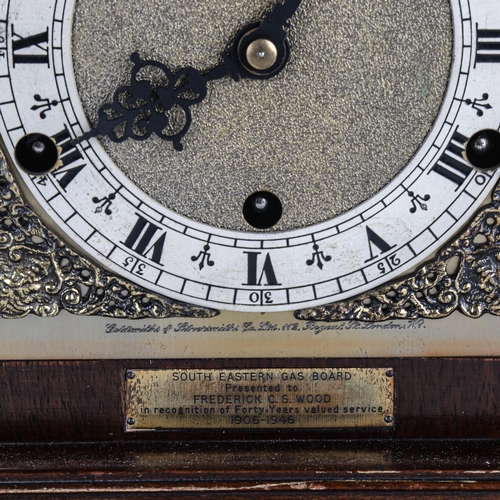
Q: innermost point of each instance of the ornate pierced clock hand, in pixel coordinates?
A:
(142, 109)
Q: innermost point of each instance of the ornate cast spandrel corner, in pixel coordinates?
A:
(464, 276)
(39, 274)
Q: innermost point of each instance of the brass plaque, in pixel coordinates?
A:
(259, 398)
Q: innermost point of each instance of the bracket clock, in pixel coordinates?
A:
(249, 244)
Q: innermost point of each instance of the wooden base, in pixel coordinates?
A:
(63, 434)
(348, 469)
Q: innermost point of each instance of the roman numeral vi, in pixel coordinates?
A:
(254, 277)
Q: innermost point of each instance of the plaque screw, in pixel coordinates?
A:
(131, 421)
(390, 373)
(388, 419)
(130, 375)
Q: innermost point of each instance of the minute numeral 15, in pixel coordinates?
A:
(32, 49)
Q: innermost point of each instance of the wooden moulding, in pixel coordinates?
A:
(63, 434)
(413, 469)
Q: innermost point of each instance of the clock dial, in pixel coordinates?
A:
(400, 215)
(362, 87)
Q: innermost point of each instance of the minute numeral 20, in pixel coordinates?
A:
(451, 164)
(488, 46)
(32, 49)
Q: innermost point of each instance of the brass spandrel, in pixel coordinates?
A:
(260, 398)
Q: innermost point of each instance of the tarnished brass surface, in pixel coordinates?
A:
(260, 398)
(41, 275)
(465, 277)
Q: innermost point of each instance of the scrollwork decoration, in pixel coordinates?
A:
(464, 276)
(39, 274)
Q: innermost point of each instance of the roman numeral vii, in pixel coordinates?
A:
(146, 239)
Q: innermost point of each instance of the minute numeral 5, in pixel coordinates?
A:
(32, 49)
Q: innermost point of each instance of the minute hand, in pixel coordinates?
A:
(274, 30)
(279, 18)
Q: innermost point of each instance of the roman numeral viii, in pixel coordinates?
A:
(146, 239)
(451, 164)
(487, 46)
(32, 49)
(71, 159)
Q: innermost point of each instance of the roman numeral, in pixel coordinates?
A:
(69, 156)
(451, 164)
(144, 240)
(375, 242)
(38, 52)
(487, 46)
(267, 271)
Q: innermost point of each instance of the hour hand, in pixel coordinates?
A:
(141, 109)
